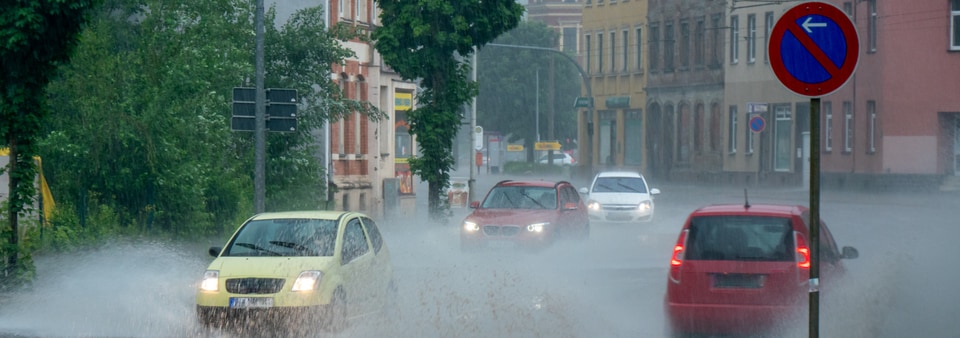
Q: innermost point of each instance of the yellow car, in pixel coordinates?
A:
(320, 267)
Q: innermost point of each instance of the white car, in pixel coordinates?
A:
(559, 158)
(619, 196)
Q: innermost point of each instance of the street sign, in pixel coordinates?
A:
(514, 147)
(478, 138)
(757, 123)
(546, 145)
(281, 109)
(814, 49)
(583, 102)
(249, 123)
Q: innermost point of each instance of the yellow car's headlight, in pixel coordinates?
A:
(210, 281)
(307, 281)
(470, 226)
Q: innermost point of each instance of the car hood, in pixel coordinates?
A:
(619, 197)
(269, 266)
(511, 216)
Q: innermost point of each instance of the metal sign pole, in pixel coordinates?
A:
(814, 218)
(260, 138)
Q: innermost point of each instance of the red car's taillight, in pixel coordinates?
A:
(676, 260)
(803, 251)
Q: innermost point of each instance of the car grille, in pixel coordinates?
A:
(254, 285)
(501, 230)
(620, 207)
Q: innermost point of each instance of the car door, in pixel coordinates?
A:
(381, 272)
(577, 218)
(357, 260)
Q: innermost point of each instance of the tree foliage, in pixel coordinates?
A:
(508, 77)
(36, 36)
(428, 40)
(142, 118)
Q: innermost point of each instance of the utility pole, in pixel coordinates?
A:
(260, 138)
(473, 125)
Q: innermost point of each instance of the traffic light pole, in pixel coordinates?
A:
(260, 138)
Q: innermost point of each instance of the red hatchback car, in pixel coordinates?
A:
(528, 214)
(744, 269)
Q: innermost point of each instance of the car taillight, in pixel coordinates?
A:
(676, 260)
(803, 251)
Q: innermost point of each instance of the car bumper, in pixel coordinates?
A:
(615, 216)
(519, 238)
(727, 319)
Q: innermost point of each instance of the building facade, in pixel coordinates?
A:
(368, 159)
(614, 54)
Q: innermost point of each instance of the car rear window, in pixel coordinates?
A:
(285, 237)
(619, 184)
(740, 238)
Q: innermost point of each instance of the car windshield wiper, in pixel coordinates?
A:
(604, 186)
(294, 246)
(534, 200)
(258, 248)
(628, 187)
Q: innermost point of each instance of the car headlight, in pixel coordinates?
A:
(645, 205)
(210, 281)
(537, 227)
(307, 281)
(593, 205)
(470, 226)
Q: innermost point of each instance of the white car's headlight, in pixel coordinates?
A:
(470, 226)
(645, 205)
(593, 205)
(307, 281)
(537, 227)
(210, 281)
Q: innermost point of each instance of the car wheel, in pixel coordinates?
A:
(335, 319)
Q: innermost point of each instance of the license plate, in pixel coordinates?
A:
(250, 302)
(738, 281)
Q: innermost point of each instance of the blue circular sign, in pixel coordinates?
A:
(757, 123)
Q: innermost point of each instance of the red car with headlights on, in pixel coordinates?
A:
(744, 269)
(529, 214)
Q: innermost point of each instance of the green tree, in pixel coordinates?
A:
(428, 40)
(36, 36)
(507, 76)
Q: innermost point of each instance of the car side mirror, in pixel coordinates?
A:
(474, 204)
(569, 206)
(214, 251)
(850, 252)
(584, 191)
(654, 191)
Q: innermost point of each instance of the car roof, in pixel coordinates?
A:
(752, 209)
(310, 214)
(546, 184)
(619, 174)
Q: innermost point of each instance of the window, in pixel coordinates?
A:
(782, 137)
(626, 51)
(654, 47)
(751, 38)
(639, 39)
(375, 238)
(828, 126)
(848, 8)
(684, 44)
(669, 41)
(354, 242)
(847, 126)
(613, 52)
(699, 40)
(717, 44)
(570, 39)
(955, 25)
(872, 113)
(732, 130)
(586, 43)
(768, 27)
(734, 39)
(599, 53)
(872, 26)
(748, 145)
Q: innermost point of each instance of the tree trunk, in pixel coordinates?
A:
(14, 229)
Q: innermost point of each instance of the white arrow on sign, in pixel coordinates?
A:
(807, 24)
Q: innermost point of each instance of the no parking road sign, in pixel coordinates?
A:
(814, 49)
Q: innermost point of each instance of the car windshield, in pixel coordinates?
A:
(746, 238)
(285, 237)
(620, 184)
(521, 198)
